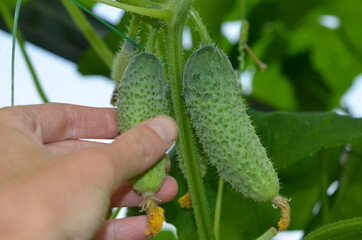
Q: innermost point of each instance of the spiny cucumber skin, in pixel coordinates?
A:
(141, 96)
(123, 57)
(214, 101)
(200, 154)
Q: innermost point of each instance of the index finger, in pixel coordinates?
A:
(57, 122)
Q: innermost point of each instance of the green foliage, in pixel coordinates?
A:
(291, 136)
(347, 229)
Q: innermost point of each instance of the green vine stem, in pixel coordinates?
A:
(9, 23)
(115, 213)
(185, 139)
(157, 13)
(15, 30)
(204, 34)
(83, 24)
(269, 234)
(218, 208)
(348, 229)
(151, 43)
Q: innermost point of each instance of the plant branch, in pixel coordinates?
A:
(150, 46)
(201, 28)
(86, 28)
(156, 13)
(261, 65)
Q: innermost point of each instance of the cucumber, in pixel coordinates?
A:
(218, 114)
(141, 95)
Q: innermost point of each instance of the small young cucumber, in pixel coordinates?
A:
(218, 114)
(141, 95)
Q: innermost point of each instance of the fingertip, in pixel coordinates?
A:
(165, 127)
(130, 228)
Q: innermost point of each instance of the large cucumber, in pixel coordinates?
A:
(141, 95)
(218, 114)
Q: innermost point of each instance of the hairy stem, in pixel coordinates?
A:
(201, 28)
(185, 139)
(86, 28)
(151, 43)
(157, 13)
(218, 208)
(133, 28)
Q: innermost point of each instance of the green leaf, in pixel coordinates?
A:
(348, 229)
(289, 137)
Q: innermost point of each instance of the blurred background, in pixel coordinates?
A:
(313, 50)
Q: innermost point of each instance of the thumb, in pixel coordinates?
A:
(130, 154)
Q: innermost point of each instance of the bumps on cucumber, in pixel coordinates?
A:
(218, 114)
(140, 96)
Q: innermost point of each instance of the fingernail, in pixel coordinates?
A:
(165, 127)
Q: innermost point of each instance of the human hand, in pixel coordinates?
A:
(55, 186)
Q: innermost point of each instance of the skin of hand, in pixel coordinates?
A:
(55, 186)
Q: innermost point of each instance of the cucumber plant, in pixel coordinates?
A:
(205, 99)
(233, 147)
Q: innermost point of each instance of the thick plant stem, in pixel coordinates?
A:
(83, 24)
(9, 22)
(186, 141)
(218, 208)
